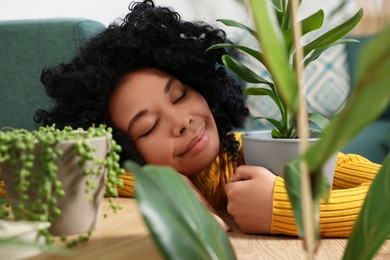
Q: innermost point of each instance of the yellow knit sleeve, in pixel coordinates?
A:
(353, 170)
(337, 217)
(126, 191)
(353, 176)
(128, 188)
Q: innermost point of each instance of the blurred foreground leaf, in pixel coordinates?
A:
(372, 227)
(179, 224)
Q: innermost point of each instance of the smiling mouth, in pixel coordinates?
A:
(197, 143)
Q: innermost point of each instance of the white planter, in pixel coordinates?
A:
(261, 149)
(20, 231)
(78, 213)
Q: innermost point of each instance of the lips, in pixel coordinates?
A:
(197, 143)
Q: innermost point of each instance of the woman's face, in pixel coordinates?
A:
(170, 123)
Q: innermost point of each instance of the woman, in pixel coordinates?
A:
(172, 103)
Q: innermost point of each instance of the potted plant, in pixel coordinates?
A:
(55, 176)
(274, 148)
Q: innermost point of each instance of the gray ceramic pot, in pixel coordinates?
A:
(261, 149)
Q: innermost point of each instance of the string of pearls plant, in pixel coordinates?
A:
(17, 147)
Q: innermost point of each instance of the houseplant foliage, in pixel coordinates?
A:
(370, 90)
(36, 191)
(179, 224)
(274, 33)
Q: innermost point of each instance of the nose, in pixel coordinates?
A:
(180, 123)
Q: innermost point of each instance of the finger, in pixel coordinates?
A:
(244, 172)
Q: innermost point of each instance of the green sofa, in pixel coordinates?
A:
(28, 46)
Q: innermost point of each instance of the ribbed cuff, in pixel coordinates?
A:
(337, 217)
(353, 170)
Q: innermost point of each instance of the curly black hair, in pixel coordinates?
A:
(149, 36)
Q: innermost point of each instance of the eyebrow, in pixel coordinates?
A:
(141, 113)
(169, 84)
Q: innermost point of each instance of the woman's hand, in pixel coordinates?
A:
(202, 200)
(250, 194)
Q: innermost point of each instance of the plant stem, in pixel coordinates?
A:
(307, 204)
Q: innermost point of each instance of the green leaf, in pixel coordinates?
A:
(312, 22)
(333, 35)
(369, 97)
(242, 71)
(232, 23)
(319, 120)
(286, 19)
(275, 51)
(256, 54)
(292, 176)
(279, 5)
(309, 24)
(317, 52)
(180, 225)
(259, 92)
(372, 226)
(275, 133)
(262, 92)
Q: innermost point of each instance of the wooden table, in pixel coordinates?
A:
(124, 236)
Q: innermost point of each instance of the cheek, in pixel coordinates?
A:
(154, 151)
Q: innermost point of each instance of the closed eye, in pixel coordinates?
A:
(148, 132)
(183, 94)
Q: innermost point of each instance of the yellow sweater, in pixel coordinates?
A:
(352, 179)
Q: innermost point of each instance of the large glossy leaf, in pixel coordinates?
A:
(274, 49)
(372, 226)
(242, 71)
(334, 34)
(369, 97)
(181, 226)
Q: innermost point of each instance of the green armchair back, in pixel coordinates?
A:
(26, 47)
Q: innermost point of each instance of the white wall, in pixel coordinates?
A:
(108, 11)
